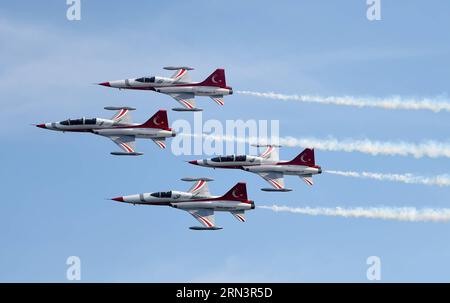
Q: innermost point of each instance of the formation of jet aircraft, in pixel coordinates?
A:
(179, 86)
(197, 200)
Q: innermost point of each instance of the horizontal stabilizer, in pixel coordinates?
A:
(178, 67)
(204, 228)
(180, 109)
(126, 154)
(275, 189)
(193, 179)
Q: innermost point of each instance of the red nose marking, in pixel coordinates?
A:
(41, 125)
(193, 162)
(118, 199)
(105, 84)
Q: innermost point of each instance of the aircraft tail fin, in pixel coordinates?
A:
(306, 157)
(237, 193)
(217, 79)
(158, 120)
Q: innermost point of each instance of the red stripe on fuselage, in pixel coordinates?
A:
(173, 85)
(230, 167)
(91, 130)
(214, 199)
(293, 164)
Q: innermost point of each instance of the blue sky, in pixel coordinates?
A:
(54, 185)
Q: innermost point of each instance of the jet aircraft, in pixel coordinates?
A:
(198, 202)
(180, 87)
(269, 166)
(119, 129)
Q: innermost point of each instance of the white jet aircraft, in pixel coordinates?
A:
(180, 87)
(120, 129)
(198, 202)
(269, 166)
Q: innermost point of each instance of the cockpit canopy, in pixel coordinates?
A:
(146, 80)
(82, 121)
(166, 194)
(232, 158)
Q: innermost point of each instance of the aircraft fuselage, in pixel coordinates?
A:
(256, 164)
(168, 86)
(186, 201)
(107, 127)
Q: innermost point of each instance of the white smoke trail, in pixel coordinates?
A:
(439, 180)
(436, 104)
(409, 214)
(432, 149)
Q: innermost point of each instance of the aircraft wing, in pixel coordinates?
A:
(239, 214)
(126, 143)
(181, 75)
(273, 178)
(123, 114)
(187, 100)
(204, 216)
(270, 153)
(308, 180)
(218, 99)
(200, 188)
(160, 142)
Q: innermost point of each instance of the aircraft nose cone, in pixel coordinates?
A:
(41, 125)
(195, 162)
(105, 84)
(118, 199)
